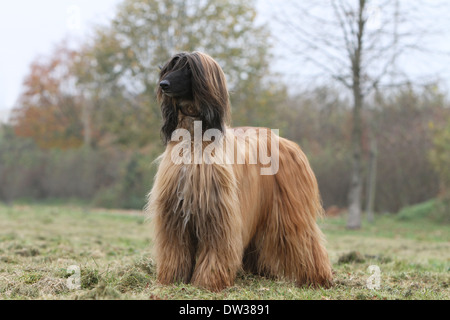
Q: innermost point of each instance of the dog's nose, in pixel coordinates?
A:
(165, 84)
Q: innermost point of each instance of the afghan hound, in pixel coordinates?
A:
(215, 218)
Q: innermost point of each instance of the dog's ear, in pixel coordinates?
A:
(210, 92)
(170, 119)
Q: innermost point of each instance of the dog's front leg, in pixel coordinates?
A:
(220, 246)
(216, 267)
(175, 257)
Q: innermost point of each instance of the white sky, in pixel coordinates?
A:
(29, 28)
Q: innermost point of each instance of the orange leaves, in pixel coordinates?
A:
(48, 109)
(48, 128)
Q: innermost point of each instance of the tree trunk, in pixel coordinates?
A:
(86, 120)
(356, 182)
(371, 182)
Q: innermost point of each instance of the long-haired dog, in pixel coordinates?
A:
(214, 218)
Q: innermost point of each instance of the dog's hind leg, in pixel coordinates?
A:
(291, 244)
(290, 250)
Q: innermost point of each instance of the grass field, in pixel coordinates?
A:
(113, 251)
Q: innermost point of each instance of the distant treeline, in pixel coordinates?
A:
(87, 123)
(404, 125)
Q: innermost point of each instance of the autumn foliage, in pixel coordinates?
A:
(87, 123)
(49, 111)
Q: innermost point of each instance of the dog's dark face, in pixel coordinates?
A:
(176, 78)
(192, 85)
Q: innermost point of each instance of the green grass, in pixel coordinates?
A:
(113, 250)
(436, 210)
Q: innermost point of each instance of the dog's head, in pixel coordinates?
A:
(193, 85)
(176, 78)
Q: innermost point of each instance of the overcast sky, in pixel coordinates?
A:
(29, 28)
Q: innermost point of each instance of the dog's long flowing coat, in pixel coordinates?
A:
(211, 220)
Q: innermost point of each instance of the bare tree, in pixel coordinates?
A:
(357, 43)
